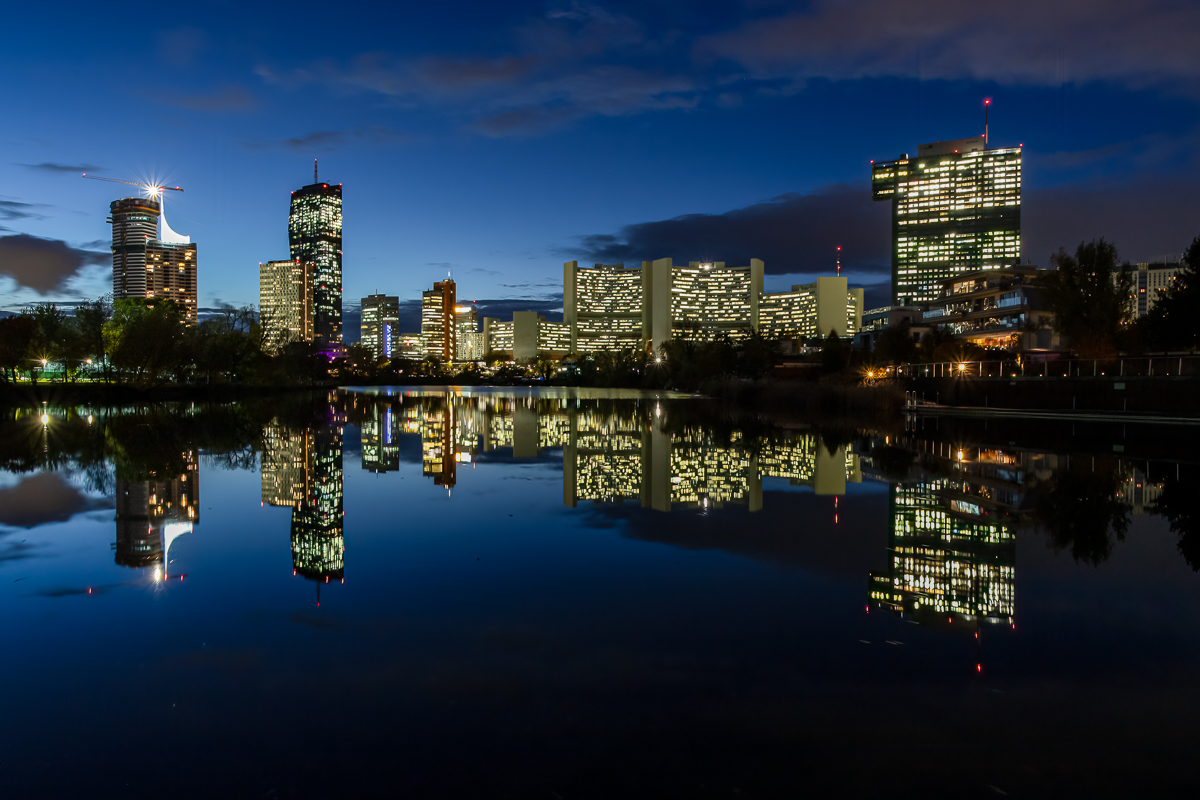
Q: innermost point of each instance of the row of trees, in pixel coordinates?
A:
(143, 344)
(1090, 293)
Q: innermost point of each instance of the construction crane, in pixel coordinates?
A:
(165, 234)
(149, 187)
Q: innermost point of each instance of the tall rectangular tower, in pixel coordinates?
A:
(437, 321)
(285, 302)
(956, 208)
(315, 238)
(380, 325)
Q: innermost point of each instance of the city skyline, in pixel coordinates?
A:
(463, 140)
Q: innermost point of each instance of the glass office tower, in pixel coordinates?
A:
(956, 208)
(315, 238)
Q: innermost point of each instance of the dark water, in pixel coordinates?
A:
(531, 595)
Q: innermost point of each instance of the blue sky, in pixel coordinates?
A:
(496, 140)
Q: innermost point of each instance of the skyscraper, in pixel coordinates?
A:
(285, 302)
(380, 325)
(149, 263)
(437, 321)
(469, 338)
(315, 238)
(956, 207)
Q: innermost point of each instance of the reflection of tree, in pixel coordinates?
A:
(1180, 504)
(1082, 511)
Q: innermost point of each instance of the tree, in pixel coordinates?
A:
(1173, 324)
(895, 344)
(145, 339)
(833, 354)
(756, 355)
(1089, 295)
(16, 338)
(1179, 503)
(1082, 511)
(90, 318)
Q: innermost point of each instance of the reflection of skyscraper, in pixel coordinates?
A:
(438, 451)
(315, 237)
(286, 463)
(318, 543)
(152, 513)
(380, 449)
(953, 554)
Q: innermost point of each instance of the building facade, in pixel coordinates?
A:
(437, 321)
(469, 339)
(610, 307)
(380, 326)
(151, 261)
(285, 303)
(995, 308)
(1151, 282)
(606, 307)
(812, 310)
(315, 239)
(956, 208)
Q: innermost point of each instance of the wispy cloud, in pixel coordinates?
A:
(53, 167)
(226, 99)
(330, 140)
(1029, 42)
(12, 209)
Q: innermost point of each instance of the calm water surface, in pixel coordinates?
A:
(588, 595)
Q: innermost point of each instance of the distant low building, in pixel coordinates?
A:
(877, 320)
(1150, 283)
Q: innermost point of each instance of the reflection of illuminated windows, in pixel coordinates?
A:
(951, 557)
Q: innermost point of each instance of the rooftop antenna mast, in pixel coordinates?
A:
(315, 171)
(987, 104)
(839, 261)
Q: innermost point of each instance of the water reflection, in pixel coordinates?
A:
(153, 510)
(956, 501)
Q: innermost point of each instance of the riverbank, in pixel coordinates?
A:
(111, 394)
(828, 400)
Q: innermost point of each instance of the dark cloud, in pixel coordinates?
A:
(52, 167)
(503, 308)
(571, 63)
(1148, 218)
(327, 141)
(11, 209)
(792, 233)
(40, 499)
(227, 98)
(44, 265)
(796, 233)
(1031, 42)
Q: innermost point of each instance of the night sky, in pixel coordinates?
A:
(497, 140)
